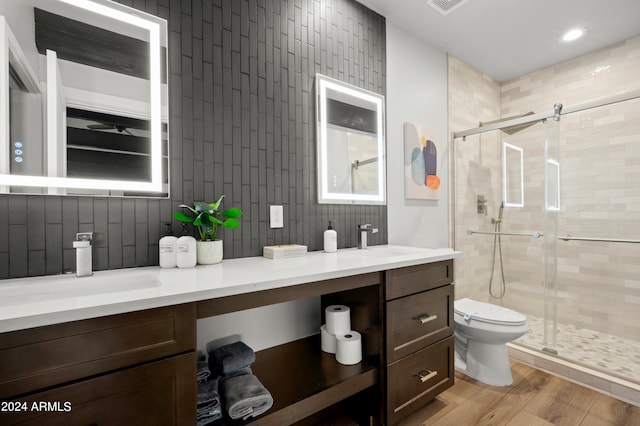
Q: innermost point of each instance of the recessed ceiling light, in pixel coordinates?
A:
(573, 34)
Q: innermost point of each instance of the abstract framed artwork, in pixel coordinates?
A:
(421, 162)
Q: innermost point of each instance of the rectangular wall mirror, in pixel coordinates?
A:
(83, 99)
(350, 144)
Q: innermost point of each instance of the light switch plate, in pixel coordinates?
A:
(276, 218)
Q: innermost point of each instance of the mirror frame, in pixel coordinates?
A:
(325, 196)
(145, 21)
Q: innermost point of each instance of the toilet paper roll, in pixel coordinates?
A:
(338, 319)
(328, 340)
(349, 348)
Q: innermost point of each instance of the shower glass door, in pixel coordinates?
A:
(579, 284)
(595, 281)
(552, 205)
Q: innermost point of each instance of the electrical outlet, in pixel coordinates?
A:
(277, 221)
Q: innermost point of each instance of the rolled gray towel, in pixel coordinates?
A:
(203, 371)
(246, 397)
(208, 393)
(208, 407)
(235, 373)
(229, 358)
(210, 417)
(209, 410)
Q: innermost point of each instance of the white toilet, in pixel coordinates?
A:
(481, 333)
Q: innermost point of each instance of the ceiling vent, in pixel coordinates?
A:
(445, 6)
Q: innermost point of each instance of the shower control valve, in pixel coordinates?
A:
(482, 204)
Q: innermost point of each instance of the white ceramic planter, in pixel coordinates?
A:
(209, 252)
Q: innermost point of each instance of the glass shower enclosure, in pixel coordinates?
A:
(546, 209)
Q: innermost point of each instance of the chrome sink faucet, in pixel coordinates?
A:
(84, 259)
(363, 230)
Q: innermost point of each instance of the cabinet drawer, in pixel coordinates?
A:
(46, 356)
(416, 321)
(414, 279)
(157, 393)
(415, 380)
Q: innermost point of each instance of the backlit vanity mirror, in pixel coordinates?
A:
(512, 175)
(83, 99)
(351, 144)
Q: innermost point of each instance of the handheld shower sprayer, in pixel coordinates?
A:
(495, 221)
(497, 244)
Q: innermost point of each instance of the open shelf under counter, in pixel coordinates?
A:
(303, 380)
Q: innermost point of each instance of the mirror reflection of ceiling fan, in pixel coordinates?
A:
(107, 126)
(109, 123)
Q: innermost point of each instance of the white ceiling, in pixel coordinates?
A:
(509, 38)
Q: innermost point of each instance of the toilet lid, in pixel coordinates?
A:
(486, 312)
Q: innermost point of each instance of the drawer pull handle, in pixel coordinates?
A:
(426, 318)
(425, 375)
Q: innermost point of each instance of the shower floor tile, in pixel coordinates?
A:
(611, 354)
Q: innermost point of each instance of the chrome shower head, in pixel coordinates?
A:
(510, 130)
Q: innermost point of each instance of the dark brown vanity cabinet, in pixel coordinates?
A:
(139, 367)
(419, 336)
(133, 368)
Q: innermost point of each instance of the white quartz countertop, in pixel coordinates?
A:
(39, 301)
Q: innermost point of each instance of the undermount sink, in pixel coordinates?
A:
(63, 286)
(387, 251)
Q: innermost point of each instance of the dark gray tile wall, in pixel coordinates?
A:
(242, 124)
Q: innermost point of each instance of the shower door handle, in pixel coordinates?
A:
(426, 318)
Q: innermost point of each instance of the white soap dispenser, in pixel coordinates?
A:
(185, 249)
(330, 239)
(167, 248)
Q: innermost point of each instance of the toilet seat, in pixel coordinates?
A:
(485, 312)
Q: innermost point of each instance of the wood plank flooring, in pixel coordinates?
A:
(535, 399)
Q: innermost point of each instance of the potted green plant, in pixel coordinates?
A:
(207, 218)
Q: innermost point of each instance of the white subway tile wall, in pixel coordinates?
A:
(473, 97)
(598, 283)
